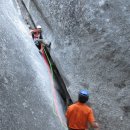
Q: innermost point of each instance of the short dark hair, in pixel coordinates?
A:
(83, 99)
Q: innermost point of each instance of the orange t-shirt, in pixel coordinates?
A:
(79, 115)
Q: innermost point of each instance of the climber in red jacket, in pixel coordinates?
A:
(37, 33)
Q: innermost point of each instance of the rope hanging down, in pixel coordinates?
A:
(55, 110)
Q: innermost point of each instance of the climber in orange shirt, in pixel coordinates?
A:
(79, 115)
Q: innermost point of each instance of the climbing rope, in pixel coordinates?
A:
(55, 110)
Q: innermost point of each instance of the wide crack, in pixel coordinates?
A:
(62, 90)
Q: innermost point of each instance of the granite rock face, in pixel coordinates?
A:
(91, 46)
(26, 99)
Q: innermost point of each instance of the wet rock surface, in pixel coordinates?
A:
(91, 46)
(26, 99)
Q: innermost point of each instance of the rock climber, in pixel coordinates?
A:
(79, 115)
(37, 33)
(37, 37)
